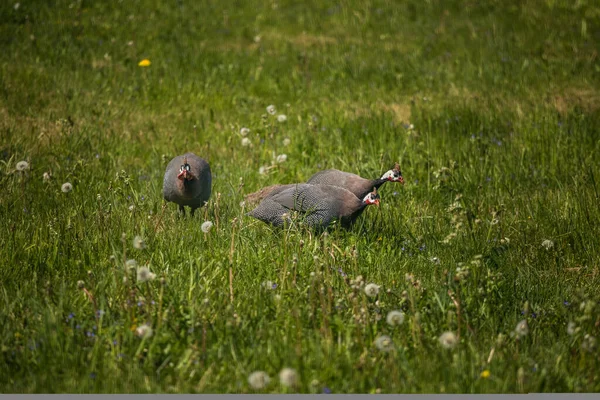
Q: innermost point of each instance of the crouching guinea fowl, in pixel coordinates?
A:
(354, 183)
(318, 205)
(333, 177)
(187, 182)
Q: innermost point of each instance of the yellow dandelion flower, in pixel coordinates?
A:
(144, 63)
(485, 373)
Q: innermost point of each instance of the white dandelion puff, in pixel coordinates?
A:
(371, 290)
(22, 166)
(246, 142)
(588, 343)
(144, 274)
(281, 118)
(258, 379)
(571, 328)
(547, 244)
(244, 131)
(288, 377)
(271, 109)
(66, 187)
(131, 264)
(395, 318)
(522, 329)
(281, 158)
(262, 170)
(139, 243)
(47, 176)
(144, 331)
(286, 141)
(448, 340)
(206, 226)
(384, 343)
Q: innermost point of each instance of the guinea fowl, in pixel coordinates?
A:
(187, 182)
(318, 204)
(333, 177)
(354, 183)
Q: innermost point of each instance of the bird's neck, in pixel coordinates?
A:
(184, 184)
(376, 183)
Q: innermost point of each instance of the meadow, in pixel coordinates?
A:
(488, 256)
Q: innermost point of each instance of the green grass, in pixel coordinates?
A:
(505, 153)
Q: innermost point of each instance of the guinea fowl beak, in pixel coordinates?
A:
(182, 175)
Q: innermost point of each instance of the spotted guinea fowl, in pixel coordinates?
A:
(333, 177)
(354, 183)
(187, 182)
(319, 205)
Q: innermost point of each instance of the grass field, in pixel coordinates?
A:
(498, 221)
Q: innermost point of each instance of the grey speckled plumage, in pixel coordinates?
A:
(333, 177)
(355, 183)
(318, 204)
(191, 188)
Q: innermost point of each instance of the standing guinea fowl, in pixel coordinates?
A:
(333, 177)
(187, 182)
(354, 183)
(318, 204)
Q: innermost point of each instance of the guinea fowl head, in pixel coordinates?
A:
(394, 175)
(185, 171)
(372, 198)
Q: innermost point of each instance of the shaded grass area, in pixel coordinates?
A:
(503, 156)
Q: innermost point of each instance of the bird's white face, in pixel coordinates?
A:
(185, 172)
(393, 175)
(371, 198)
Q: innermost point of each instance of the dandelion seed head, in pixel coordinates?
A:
(144, 331)
(144, 274)
(47, 176)
(286, 141)
(384, 343)
(206, 226)
(139, 243)
(281, 158)
(547, 244)
(571, 328)
(371, 290)
(522, 329)
(245, 142)
(244, 131)
(258, 379)
(448, 340)
(288, 377)
(80, 284)
(395, 318)
(262, 170)
(271, 109)
(66, 187)
(281, 118)
(22, 166)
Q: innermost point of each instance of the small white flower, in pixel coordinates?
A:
(522, 329)
(371, 290)
(281, 118)
(144, 274)
(288, 377)
(547, 244)
(131, 207)
(271, 109)
(395, 318)
(286, 141)
(16, 6)
(47, 176)
(384, 343)
(281, 158)
(22, 166)
(262, 170)
(206, 226)
(66, 187)
(144, 331)
(448, 340)
(435, 260)
(242, 204)
(244, 131)
(139, 243)
(258, 379)
(571, 328)
(130, 43)
(245, 142)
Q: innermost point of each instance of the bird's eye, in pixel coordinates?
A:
(187, 167)
(181, 168)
